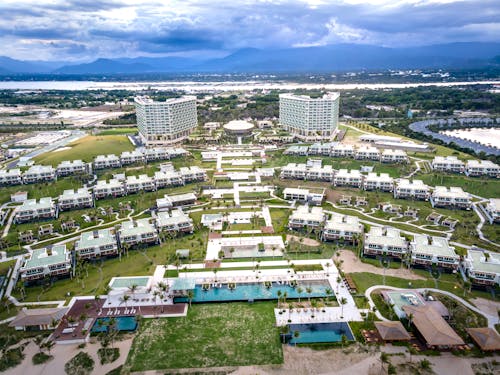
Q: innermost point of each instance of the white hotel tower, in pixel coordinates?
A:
(309, 118)
(162, 123)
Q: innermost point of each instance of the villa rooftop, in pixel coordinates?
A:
(432, 245)
(96, 238)
(479, 262)
(46, 257)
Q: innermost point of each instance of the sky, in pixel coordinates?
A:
(83, 30)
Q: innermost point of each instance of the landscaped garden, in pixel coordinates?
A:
(212, 335)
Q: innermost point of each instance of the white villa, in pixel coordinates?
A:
(47, 262)
(96, 244)
(342, 151)
(448, 164)
(176, 221)
(367, 153)
(382, 182)
(294, 171)
(193, 173)
(416, 189)
(134, 184)
(168, 178)
(352, 178)
(476, 168)
(38, 173)
(453, 197)
(69, 167)
(303, 195)
(342, 227)
(32, 210)
(320, 173)
(493, 210)
(71, 199)
(10, 177)
(393, 156)
(482, 267)
(178, 200)
(111, 188)
(385, 241)
(136, 232)
(107, 161)
(307, 217)
(426, 251)
(131, 157)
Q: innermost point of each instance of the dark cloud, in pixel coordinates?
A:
(110, 27)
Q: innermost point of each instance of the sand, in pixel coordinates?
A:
(306, 241)
(352, 264)
(490, 307)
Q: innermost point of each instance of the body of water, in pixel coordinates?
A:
(191, 86)
(123, 323)
(485, 136)
(319, 332)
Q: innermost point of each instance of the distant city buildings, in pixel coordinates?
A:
(310, 118)
(167, 122)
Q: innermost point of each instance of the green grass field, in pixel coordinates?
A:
(484, 187)
(87, 148)
(118, 131)
(212, 335)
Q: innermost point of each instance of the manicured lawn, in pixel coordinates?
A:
(87, 148)
(232, 334)
(118, 131)
(484, 187)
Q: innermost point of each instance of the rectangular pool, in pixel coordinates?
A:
(123, 323)
(127, 282)
(258, 292)
(319, 333)
(403, 298)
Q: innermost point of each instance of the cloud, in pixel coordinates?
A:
(85, 29)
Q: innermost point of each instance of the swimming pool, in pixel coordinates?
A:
(126, 282)
(257, 292)
(319, 332)
(123, 323)
(403, 298)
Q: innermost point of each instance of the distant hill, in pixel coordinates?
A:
(340, 57)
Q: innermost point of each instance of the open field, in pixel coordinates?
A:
(118, 131)
(212, 335)
(87, 148)
(484, 187)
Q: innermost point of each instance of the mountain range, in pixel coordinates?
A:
(321, 59)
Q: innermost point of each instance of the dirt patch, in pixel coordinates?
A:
(490, 307)
(351, 264)
(305, 241)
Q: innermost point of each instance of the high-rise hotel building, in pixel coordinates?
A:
(310, 118)
(167, 122)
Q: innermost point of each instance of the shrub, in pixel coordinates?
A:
(40, 358)
(80, 364)
(108, 355)
(11, 358)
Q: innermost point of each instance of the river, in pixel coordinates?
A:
(194, 87)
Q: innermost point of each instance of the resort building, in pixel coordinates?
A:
(131, 157)
(475, 168)
(393, 156)
(107, 161)
(307, 217)
(156, 153)
(482, 267)
(142, 182)
(168, 178)
(136, 232)
(52, 261)
(38, 319)
(351, 178)
(448, 164)
(39, 173)
(385, 241)
(176, 221)
(32, 210)
(167, 122)
(112, 188)
(342, 227)
(294, 171)
(416, 189)
(96, 244)
(492, 210)
(342, 151)
(382, 182)
(321, 148)
(10, 177)
(320, 173)
(367, 153)
(75, 199)
(303, 195)
(69, 167)
(297, 150)
(178, 200)
(427, 251)
(306, 117)
(453, 197)
(193, 174)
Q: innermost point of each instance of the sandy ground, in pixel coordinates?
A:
(306, 241)
(490, 307)
(63, 353)
(353, 264)
(61, 149)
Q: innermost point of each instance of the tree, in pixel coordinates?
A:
(39, 342)
(309, 291)
(296, 335)
(384, 358)
(124, 299)
(49, 345)
(190, 296)
(342, 302)
(425, 364)
(299, 292)
(343, 340)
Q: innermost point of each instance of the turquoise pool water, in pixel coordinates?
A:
(123, 323)
(257, 292)
(319, 332)
(127, 282)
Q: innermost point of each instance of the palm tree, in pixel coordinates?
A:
(299, 292)
(343, 340)
(6, 303)
(342, 302)
(410, 318)
(39, 342)
(132, 289)
(49, 345)
(190, 296)
(309, 291)
(384, 358)
(279, 298)
(284, 331)
(285, 295)
(329, 292)
(296, 335)
(124, 299)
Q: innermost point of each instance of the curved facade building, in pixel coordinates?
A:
(313, 118)
(167, 122)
